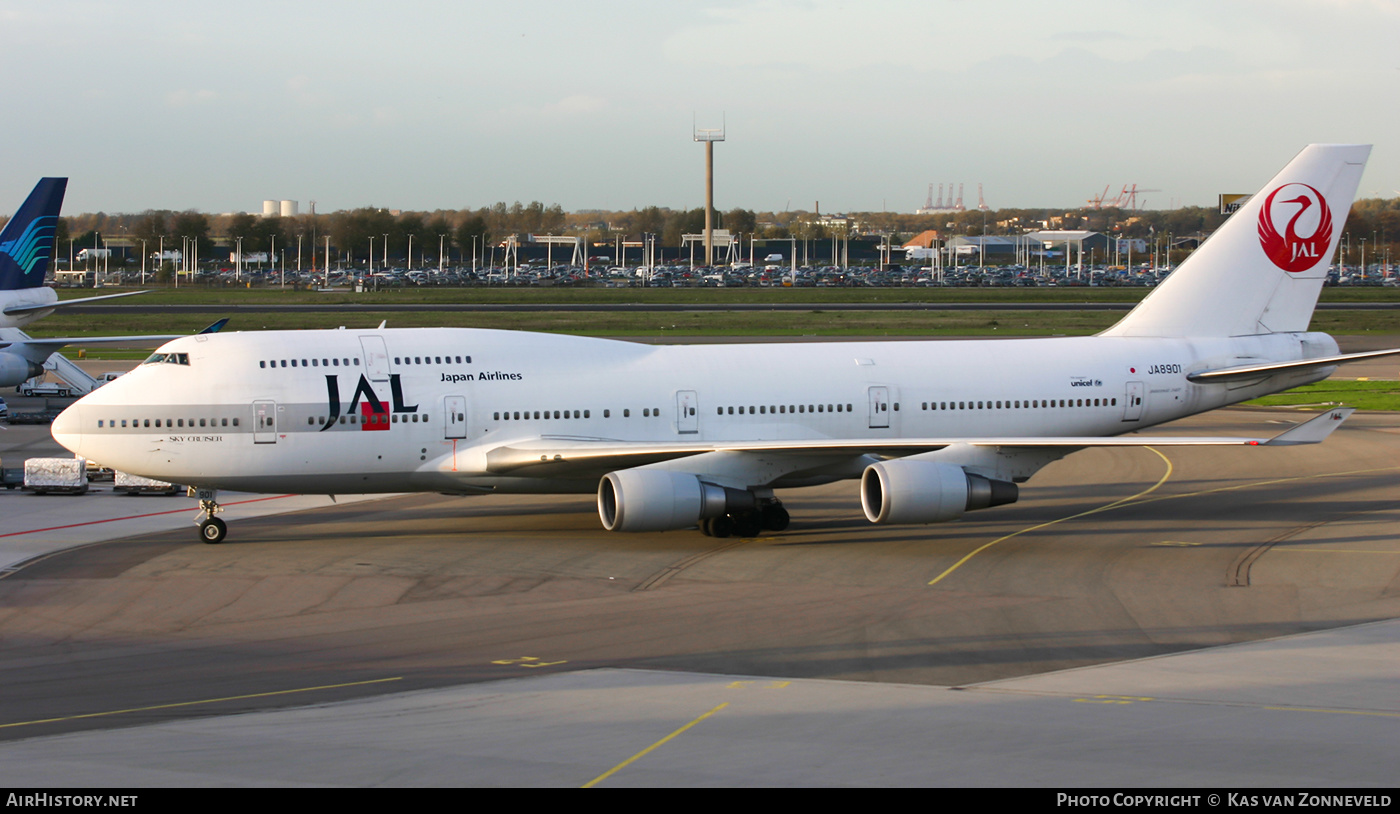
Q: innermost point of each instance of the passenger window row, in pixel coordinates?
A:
(166, 423)
(342, 362)
(373, 418)
(526, 415)
(1019, 404)
(432, 360)
(765, 409)
(306, 363)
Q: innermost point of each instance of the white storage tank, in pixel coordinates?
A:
(289, 209)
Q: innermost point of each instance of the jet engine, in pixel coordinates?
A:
(660, 500)
(15, 369)
(927, 492)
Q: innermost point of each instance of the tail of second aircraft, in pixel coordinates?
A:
(27, 241)
(1261, 271)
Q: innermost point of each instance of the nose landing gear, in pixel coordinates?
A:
(212, 530)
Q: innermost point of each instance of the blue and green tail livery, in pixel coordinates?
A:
(27, 241)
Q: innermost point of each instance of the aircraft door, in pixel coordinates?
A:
(687, 412)
(454, 412)
(879, 407)
(264, 422)
(1132, 401)
(376, 358)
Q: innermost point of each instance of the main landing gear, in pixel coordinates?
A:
(212, 530)
(767, 516)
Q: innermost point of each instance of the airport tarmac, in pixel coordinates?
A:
(1190, 617)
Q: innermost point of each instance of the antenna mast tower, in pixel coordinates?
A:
(709, 137)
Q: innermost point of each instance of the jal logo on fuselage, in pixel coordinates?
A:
(374, 413)
(1288, 249)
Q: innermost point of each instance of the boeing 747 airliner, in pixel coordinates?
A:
(701, 436)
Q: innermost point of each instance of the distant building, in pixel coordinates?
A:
(834, 222)
(923, 240)
(1080, 239)
(999, 246)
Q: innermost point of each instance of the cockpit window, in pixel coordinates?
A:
(168, 359)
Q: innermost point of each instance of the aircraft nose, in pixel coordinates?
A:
(67, 429)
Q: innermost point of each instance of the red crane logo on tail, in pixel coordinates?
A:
(1288, 250)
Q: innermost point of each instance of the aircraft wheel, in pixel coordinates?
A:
(213, 531)
(748, 524)
(775, 517)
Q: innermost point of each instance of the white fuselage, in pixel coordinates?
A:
(295, 411)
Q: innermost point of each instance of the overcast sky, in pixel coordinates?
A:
(858, 105)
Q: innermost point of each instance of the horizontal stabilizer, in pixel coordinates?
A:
(1227, 374)
(1314, 431)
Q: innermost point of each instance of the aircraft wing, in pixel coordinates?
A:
(1226, 374)
(49, 345)
(550, 454)
(15, 339)
(49, 306)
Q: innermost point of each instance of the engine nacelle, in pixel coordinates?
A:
(660, 500)
(927, 492)
(15, 369)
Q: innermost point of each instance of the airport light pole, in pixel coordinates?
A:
(385, 265)
(371, 255)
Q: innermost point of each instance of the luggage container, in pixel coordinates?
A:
(137, 485)
(64, 475)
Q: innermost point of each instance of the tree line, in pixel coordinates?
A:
(466, 231)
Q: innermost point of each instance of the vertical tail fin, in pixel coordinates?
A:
(1262, 270)
(27, 242)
